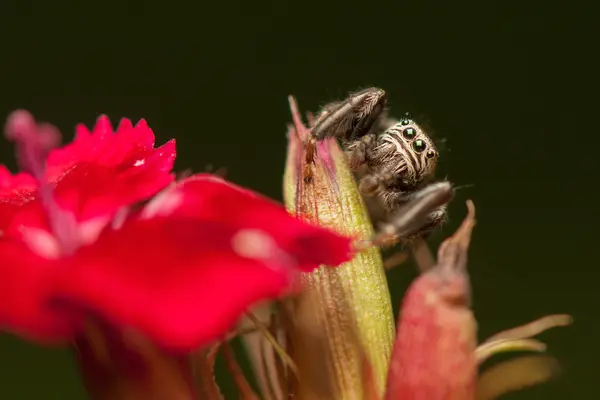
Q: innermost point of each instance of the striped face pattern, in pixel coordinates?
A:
(393, 162)
(406, 150)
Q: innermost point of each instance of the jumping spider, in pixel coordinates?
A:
(393, 160)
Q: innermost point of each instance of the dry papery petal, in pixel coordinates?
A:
(267, 367)
(120, 364)
(521, 372)
(245, 390)
(307, 339)
(519, 338)
(203, 364)
(515, 374)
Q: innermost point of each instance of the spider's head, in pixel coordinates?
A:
(415, 149)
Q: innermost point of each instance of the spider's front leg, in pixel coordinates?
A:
(434, 218)
(413, 215)
(349, 120)
(352, 118)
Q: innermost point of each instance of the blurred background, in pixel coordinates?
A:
(506, 85)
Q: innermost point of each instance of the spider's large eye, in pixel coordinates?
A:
(419, 146)
(430, 154)
(409, 133)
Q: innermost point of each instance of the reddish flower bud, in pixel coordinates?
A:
(434, 352)
(353, 303)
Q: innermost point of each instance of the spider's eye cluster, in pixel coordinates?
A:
(418, 145)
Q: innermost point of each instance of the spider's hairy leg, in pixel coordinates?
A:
(360, 151)
(433, 199)
(432, 221)
(414, 215)
(352, 118)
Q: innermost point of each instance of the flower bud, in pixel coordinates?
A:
(353, 304)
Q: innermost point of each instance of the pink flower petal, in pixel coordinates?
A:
(95, 176)
(103, 146)
(15, 191)
(211, 198)
(103, 171)
(186, 272)
(91, 190)
(26, 283)
(180, 282)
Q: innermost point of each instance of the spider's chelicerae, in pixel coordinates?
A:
(393, 160)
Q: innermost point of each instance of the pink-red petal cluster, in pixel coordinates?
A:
(181, 270)
(104, 169)
(188, 271)
(98, 173)
(211, 198)
(25, 288)
(15, 191)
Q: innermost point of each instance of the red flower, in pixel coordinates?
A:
(15, 191)
(97, 174)
(181, 270)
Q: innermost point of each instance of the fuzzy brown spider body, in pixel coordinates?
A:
(393, 160)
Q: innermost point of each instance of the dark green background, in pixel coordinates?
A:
(508, 85)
